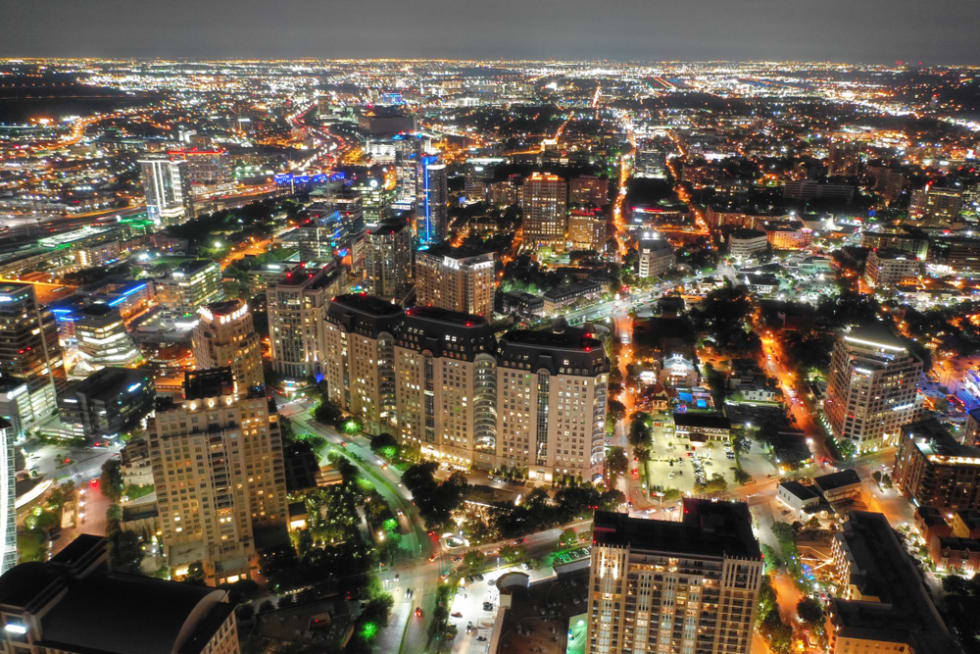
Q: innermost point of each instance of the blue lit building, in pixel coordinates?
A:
(433, 201)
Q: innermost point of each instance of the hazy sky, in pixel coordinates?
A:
(935, 31)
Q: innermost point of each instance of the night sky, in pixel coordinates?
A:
(873, 31)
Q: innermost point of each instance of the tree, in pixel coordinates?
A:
(329, 413)
(567, 538)
(384, 444)
(125, 551)
(616, 462)
(244, 612)
(195, 574)
(111, 481)
(810, 611)
(616, 409)
(778, 634)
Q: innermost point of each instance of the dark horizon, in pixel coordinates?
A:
(835, 31)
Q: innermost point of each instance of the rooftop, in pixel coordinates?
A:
(370, 305)
(835, 480)
(447, 249)
(707, 529)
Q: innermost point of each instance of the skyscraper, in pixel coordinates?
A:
(296, 306)
(358, 338)
(167, 187)
(871, 387)
(433, 201)
(218, 471)
(551, 403)
(29, 346)
(544, 203)
(674, 587)
(225, 336)
(455, 278)
(446, 386)
(8, 496)
(388, 259)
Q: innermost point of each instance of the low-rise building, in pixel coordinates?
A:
(886, 268)
(656, 258)
(702, 427)
(799, 497)
(72, 603)
(744, 243)
(568, 294)
(838, 486)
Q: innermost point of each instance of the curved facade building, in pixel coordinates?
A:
(445, 386)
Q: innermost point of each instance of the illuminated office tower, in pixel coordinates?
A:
(204, 167)
(455, 278)
(544, 203)
(29, 348)
(388, 259)
(409, 149)
(357, 340)
(934, 205)
(190, 285)
(225, 336)
(432, 207)
(871, 388)
(446, 386)
(102, 338)
(167, 187)
(666, 587)
(587, 228)
(8, 495)
(551, 403)
(656, 258)
(218, 471)
(296, 306)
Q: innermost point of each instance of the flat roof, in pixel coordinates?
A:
(706, 529)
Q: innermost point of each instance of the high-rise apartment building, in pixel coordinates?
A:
(587, 228)
(446, 386)
(455, 278)
(8, 496)
(225, 336)
(935, 470)
(73, 603)
(388, 259)
(358, 339)
(102, 338)
(934, 205)
(218, 471)
(296, 306)
(551, 403)
(167, 187)
(664, 587)
(204, 167)
(544, 203)
(432, 206)
(29, 347)
(871, 387)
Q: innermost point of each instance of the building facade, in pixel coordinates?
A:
(433, 201)
(225, 336)
(388, 259)
(296, 305)
(871, 388)
(358, 339)
(455, 278)
(674, 587)
(167, 187)
(107, 403)
(446, 386)
(934, 469)
(886, 268)
(545, 202)
(29, 347)
(551, 403)
(218, 471)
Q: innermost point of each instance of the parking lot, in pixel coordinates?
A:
(677, 463)
(474, 608)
